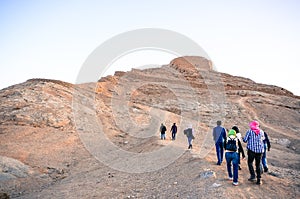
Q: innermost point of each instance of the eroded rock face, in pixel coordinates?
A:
(11, 168)
(37, 103)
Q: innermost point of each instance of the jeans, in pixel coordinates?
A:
(163, 136)
(190, 140)
(257, 157)
(264, 157)
(232, 157)
(173, 135)
(220, 152)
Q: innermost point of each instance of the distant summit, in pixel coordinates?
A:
(190, 64)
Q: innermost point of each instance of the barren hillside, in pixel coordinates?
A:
(101, 139)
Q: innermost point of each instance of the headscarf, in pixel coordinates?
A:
(232, 133)
(254, 126)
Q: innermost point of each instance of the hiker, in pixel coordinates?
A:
(240, 150)
(254, 138)
(163, 130)
(189, 132)
(232, 145)
(174, 131)
(219, 135)
(267, 145)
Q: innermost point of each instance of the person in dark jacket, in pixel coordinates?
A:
(189, 132)
(219, 135)
(174, 131)
(163, 130)
(267, 145)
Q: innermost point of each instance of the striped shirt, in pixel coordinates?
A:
(254, 142)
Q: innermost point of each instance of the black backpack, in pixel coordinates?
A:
(231, 144)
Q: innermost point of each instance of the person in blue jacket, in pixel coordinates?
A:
(219, 135)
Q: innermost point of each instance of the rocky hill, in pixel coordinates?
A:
(101, 139)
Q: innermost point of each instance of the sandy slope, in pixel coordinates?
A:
(101, 140)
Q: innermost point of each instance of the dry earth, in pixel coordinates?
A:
(101, 140)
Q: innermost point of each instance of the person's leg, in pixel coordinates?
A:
(235, 164)
(161, 136)
(222, 152)
(257, 165)
(190, 142)
(218, 153)
(264, 159)
(250, 164)
(228, 163)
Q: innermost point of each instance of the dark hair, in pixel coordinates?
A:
(237, 130)
(219, 122)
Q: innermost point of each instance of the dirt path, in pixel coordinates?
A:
(253, 115)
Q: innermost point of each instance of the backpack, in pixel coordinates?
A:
(189, 133)
(231, 144)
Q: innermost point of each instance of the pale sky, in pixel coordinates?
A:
(257, 39)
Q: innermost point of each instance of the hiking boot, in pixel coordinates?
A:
(235, 183)
(266, 169)
(251, 179)
(258, 182)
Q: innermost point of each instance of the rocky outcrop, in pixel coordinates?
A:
(191, 64)
(12, 168)
(38, 103)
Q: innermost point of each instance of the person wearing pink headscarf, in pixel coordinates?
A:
(254, 138)
(254, 126)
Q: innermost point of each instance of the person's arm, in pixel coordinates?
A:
(245, 139)
(268, 141)
(241, 148)
(214, 134)
(224, 133)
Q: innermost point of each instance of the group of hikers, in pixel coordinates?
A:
(257, 144)
(189, 132)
